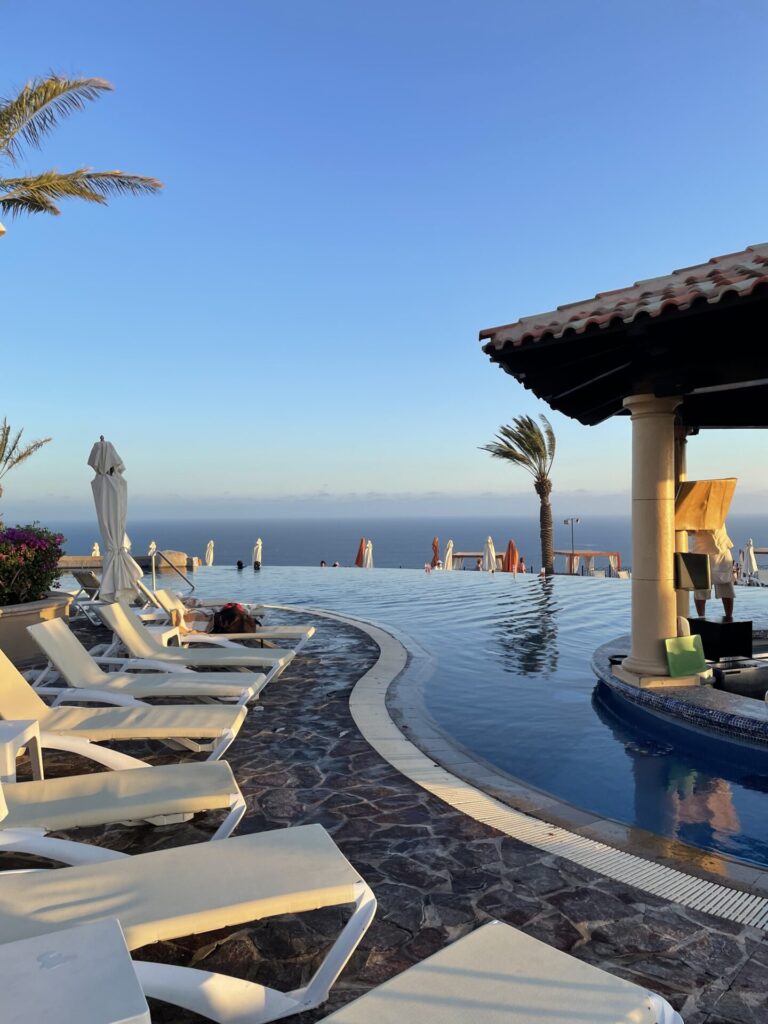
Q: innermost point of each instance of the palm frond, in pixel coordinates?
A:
(39, 107)
(11, 452)
(524, 444)
(39, 193)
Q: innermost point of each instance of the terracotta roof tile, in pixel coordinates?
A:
(737, 272)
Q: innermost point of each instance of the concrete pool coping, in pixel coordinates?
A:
(667, 868)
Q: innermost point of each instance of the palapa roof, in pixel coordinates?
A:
(698, 332)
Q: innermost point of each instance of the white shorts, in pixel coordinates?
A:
(721, 590)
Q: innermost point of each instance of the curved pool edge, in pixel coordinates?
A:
(743, 900)
(731, 718)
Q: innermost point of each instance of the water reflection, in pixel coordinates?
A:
(670, 796)
(527, 631)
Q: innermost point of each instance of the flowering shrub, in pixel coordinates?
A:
(29, 558)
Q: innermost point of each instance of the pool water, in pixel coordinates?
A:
(505, 671)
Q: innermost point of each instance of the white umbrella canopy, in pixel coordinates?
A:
(209, 553)
(749, 557)
(368, 556)
(256, 553)
(110, 494)
(448, 556)
(152, 548)
(489, 556)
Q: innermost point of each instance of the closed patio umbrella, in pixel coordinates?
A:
(96, 550)
(360, 558)
(368, 555)
(152, 548)
(448, 556)
(489, 556)
(749, 558)
(209, 553)
(435, 551)
(256, 553)
(511, 558)
(110, 494)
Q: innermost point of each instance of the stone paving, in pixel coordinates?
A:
(436, 873)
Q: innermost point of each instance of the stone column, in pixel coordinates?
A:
(654, 607)
(683, 599)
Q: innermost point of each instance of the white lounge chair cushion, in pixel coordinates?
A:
(171, 893)
(219, 657)
(498, 975)
(162, 684)
(101, 797)
(178, 721)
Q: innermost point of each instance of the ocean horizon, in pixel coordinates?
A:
(398, 542)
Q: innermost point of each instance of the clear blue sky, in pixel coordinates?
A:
(353, 190)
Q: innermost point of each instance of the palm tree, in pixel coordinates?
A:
(11, 452)
(28, 118)
(523, 443)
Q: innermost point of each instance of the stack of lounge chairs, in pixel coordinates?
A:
(110, 903)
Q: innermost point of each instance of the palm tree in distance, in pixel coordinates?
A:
(11, 451)
(524, 443)
(26, 119)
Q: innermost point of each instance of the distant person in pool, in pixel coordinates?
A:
(336, 565)
(323, 564)
(240, 565)
(479, 565)
(256, 566)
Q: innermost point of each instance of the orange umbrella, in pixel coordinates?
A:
(435, 551)
(511, 557)
(360, 554)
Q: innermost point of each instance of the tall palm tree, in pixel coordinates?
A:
(11, 451)
(524, 443)
(27, 119)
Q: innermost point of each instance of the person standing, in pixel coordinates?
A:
(717, 545)
(521, 565)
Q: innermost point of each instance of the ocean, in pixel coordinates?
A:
(398, 543)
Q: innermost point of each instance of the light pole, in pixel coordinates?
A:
(572, 520)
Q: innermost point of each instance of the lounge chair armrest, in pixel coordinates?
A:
(31, 840)
(73, 695)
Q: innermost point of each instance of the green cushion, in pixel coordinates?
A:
(685, 655)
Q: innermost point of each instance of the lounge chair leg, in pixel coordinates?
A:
(316, 991)
(230, 823)
(35, 841)
(216, 997)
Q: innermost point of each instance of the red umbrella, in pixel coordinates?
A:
(435, 551)
(509, 563)
(360, 554)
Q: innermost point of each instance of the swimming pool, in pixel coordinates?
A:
(505, 671)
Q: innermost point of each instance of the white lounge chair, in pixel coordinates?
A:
(142, 645)
(293, 634)
(499, 975)
(84, 674)
(168, 894)
(159, 795)
(206, 728)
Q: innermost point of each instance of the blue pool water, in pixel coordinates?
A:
(506, 673)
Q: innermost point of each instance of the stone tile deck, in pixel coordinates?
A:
(436, 873)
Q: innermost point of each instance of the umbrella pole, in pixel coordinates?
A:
(154, 571)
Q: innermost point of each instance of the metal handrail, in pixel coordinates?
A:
(169, 563)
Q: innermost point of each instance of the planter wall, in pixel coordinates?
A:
(15, 641)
